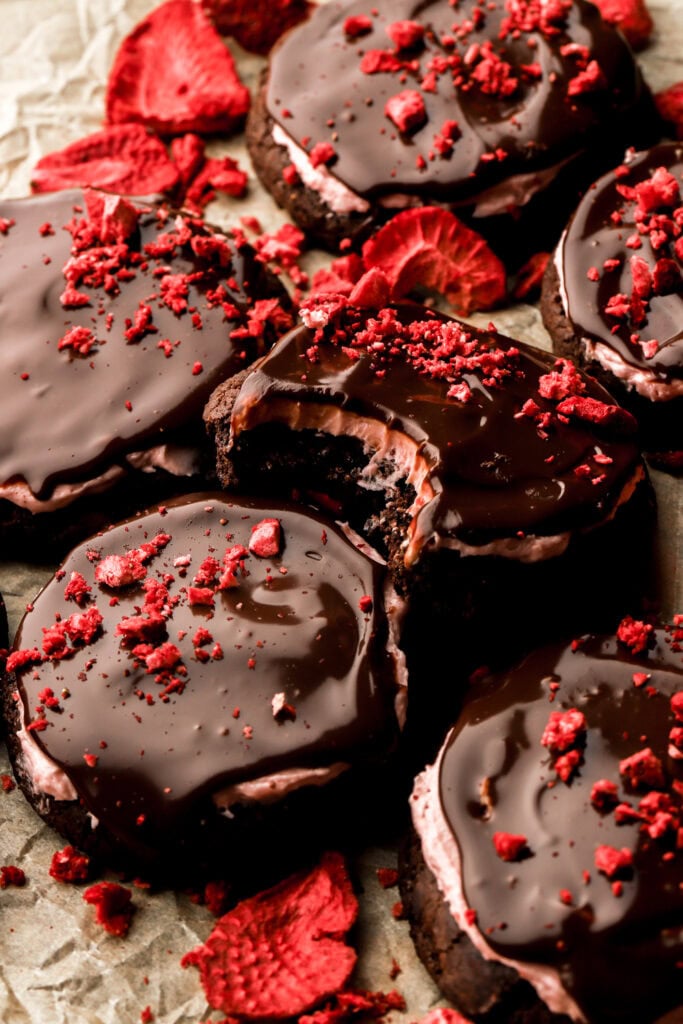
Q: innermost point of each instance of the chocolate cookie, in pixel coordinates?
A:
(118, 321)
(496, 111)
(199, 677)
(613, 296)
(544, 883)
(496, 480)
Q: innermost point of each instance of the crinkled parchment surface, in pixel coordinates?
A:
(56, 965)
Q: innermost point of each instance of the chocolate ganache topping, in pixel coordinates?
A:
(442, 100)
(497, 439)
(620, 262)
(117, 320)
(563, 785)
(207, 645)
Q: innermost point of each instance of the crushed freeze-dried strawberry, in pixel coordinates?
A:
(635, 634)
(670, 107)
(192, 86)
(11, 875)
(591, 410)
(357, 25)
(146, 1015)
(200, 596)
(165, 656)
(19, 659)
(566, 764)
(375, 62)
(322, 153)
(216, 175)
(591, 79)
(613, 862)
(356, 1004)
(660, 189)
(405, 34)
(120, 570)
(281, 952)
(187, 152)
(123, 158)
(69, 865)
(407, 110)
(604, 795)
(113, 906)
(631, 16)
(372, 290)
(509, 847)
(387, 877)
(642, 769)
(140, 627)
(266, 538)
(677, 705)
(564, 730)
(443, 1015)
(256, 24)
(7, 783)
(430, 248)
(365, 604)
(77, 589)
(112, 218)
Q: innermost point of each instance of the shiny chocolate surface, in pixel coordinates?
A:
(68, 415)
(604, 230)
(519, 106)
(616, 942)
(281, 669)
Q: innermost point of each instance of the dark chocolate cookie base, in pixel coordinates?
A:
(660, 423)
(484, 990)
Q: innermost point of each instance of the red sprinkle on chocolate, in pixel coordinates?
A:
(429, 248)
(266, 538)
(280, 953)
(443, 1015)
(509, 847)
(123, 158)
(407, 110)
(613, 862)
(113, 907)
(69, 865)
(193, 88)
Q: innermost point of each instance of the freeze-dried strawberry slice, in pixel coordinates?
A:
(670, 107)
(631, 16)
(124, 158)
(280, 953)
(256, 24)
(174, 74)
(430, 248)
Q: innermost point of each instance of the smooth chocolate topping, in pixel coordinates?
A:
(497, 465)
(609, 226)
(555, 76)
(619, 954)
(164, 740)
(68, 415)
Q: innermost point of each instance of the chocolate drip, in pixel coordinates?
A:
(317, 92)
(492, 472)
(618, 956)
(67, 416)
(592, 238)
(293, 625)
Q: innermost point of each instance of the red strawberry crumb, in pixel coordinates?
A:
(643, 769)
(591, 80)
(563, 381)
(120, 570)
(387, 877)
(146, 1016)
(566, 897)
(69, 865)
(443, 1015)
(265, 540)
(365, 604)
(113, 907)
(407, 110)
(604, 794)
(322, 153)
(611, 861)
(405, 34)
(566, 764)
(280, 953)
(635, 634)
(90, 760)
(631, 16)
(197, 368)
(398, 911)
(356, 1004)
(77, 589)
(509, 847)
(200, 596)
(640, 678)
(670, 107)
(197, 91)
(358, 25)
(677, 705)
(563, 730)
(429, 248)
(11, 875)
(123, 158)
(7, 783)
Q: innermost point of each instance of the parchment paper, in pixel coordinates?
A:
(56, 965)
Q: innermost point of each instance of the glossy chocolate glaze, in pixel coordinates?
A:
(315, 77)
(616, 955)
(492, 472)
(296, 615)
(591, 238)
(68, 419)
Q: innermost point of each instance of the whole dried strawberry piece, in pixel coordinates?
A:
(256, 24)
(430, 248)
(280, 953)
(124, 158)
(670, 107)
(174, 74)
(631, 16)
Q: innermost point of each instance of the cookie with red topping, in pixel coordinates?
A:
(197, 678)
(495, 478)
(544, 877)
(613, 295)
(500, 111)
(119, 319)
